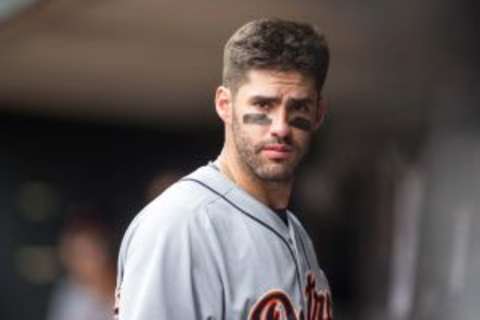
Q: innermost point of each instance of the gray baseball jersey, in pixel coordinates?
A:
(206, 249)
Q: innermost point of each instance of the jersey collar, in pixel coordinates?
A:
(211, 175)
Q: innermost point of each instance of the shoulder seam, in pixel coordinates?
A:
(218, 194)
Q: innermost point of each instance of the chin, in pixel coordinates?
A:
(274, 173)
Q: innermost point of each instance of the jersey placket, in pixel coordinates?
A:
(256, 210)
(301, 260)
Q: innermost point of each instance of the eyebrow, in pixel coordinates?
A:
(273, 99)
(268, 99)
(299, 102)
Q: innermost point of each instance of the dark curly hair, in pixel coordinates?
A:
(275, 44)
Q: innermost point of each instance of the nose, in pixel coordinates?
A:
(280, 127)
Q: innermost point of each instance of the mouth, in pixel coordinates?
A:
(277, 151)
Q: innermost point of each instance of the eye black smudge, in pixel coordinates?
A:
(257, 118)
(301, 123)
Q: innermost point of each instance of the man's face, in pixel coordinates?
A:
(274, 116)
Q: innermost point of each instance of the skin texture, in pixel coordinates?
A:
(269, 123)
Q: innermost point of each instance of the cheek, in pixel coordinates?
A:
(256, 134)
(301, 138)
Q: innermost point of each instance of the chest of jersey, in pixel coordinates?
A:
(268, 272)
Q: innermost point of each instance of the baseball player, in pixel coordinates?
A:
(220, 243)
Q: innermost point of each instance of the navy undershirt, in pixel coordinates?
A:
(282, 214)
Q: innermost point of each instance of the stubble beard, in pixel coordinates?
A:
(266, 170)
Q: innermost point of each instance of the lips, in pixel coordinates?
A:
(277, 151)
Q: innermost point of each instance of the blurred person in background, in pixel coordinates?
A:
(160, 182)
(85, 250)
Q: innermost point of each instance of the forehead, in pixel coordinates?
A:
(277, 83)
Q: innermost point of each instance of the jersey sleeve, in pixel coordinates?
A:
(169, 269)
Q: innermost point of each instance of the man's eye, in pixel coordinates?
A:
(262, 104)
(301, 107)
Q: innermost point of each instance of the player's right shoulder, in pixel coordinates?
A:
(186, 197)
(181, 205)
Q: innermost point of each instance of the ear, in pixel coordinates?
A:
(321, 112)
(223, 104)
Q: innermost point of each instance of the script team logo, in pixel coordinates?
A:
(277, 305)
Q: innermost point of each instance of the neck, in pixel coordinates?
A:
(273, 194)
